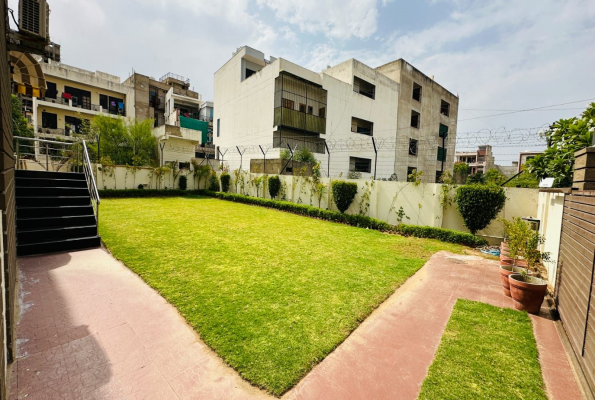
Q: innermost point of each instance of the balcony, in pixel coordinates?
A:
(61, 100)
(299, 120)
(53, 131)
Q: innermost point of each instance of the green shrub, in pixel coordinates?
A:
(343, 194)
(479, 204)
(225, 181)
(129, 193)
(214, 183)
(182, 182)
(304, 155)
(362, 221)
(274, 186)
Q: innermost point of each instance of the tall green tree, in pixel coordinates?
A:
(564, 138)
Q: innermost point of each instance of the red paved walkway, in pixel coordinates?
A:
(90, 328)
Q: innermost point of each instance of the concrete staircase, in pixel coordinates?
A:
(54, 213)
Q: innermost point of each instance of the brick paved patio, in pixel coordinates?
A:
(90, 328)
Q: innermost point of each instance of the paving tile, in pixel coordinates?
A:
(91, 329)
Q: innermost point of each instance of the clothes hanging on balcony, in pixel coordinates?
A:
(67, 96)
(121, 105)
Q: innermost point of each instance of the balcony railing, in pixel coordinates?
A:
(54, 131)
(299, 120)
(92, 107)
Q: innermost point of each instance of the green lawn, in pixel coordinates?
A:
(486, 352)
(271, 292)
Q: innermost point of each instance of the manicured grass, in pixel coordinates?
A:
(271, 292)
(486, 352)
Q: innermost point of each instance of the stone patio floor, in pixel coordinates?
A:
(90, 328)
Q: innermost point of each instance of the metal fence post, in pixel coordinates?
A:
(375, 156)
(46, 157)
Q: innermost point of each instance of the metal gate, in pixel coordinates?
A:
(575, 280)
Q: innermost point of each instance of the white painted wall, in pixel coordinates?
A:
(549, 212)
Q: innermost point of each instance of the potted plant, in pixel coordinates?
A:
(528, 291)
(517, 233)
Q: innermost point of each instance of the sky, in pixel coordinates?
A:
(500, 57)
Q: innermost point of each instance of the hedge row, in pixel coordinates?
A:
(361, 221)
(129, 193)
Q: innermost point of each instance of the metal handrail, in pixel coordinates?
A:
(47, 155)
(91, 184)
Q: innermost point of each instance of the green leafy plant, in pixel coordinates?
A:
(159, 173)
(364, 203)
(461, 170)
(320, 190)
(524, 180)
(354, 175)
(304, 155)
(274, 186)
(495, 177)
(400, 215)
(285, 154)
(225, 181)
(415, 177)
(479, 204)
(257, 181)
(136, 193)
(478, 178)
(564, 137)
(343, 194)
(182, 182)
(108, 167)
(213, 182)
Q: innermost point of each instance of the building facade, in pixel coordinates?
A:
(353, 118)
(72, 94)
(480, 161)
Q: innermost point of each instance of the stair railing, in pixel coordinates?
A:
(51, 155)
(91, 184)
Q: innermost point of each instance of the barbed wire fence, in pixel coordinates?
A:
(387, 151)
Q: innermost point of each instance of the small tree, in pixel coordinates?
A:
(343, 194)
(479, 204)
(461, 170)
(495, 177)
(213, 182)
(182, 182)
(304, 155)
(274, 186)
(477, 178)
(319, 192)
(257, 181)
(225, 181)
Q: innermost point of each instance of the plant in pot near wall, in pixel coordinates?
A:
(527, 291)
(517, 234)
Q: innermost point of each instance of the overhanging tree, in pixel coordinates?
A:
(564, 138)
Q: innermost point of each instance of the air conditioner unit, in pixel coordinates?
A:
(34, 18)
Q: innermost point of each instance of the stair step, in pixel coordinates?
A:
(20, 173)
(56, 211)
(49, 201)
(50, 191)
(28, 224)
(50, 182)
(55, 234)
(59, 246)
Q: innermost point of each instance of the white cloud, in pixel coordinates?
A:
(340, 19)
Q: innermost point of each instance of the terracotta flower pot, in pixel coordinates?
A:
(505, 271)
(527, 296)
(504, 246)
(505, 257)
(521, 263)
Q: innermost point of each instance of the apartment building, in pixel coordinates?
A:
(175, 109)
(480, 160)
(349, 109)
(71, 94)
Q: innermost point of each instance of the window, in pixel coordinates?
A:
(218, 126)
(364, 88)
(249, 73)
(49, 120)
(413, 147)
(51, 91)
(322, 112)
(287, 103)
(72, 124)
(310, 110)
(410, 172)
(444, 108)
(415, 117)
(357, 164)
(441, 154)
(302, 107)
(362, 126)
(443, 131)
(184, 165)
(103, 102)
(416, 92)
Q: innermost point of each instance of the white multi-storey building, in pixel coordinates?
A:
(264, 106)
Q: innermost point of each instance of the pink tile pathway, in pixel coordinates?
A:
(90, 328)
(388, 356)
